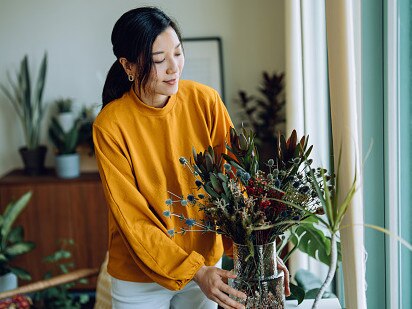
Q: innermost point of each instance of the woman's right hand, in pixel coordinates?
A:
(211, 281)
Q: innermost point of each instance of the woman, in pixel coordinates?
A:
(149, 119)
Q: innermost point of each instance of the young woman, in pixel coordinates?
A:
(150, 118)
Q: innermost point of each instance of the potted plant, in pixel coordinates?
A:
(265, 114)
(65, 114)
(12, 244)
(86, 129)
(67, 158)
(27, 100)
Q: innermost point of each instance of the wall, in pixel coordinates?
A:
(76, 36)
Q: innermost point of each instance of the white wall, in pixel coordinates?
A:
(76, 36)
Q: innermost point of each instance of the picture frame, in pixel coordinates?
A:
(204, 62)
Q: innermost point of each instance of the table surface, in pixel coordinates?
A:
(326, 303)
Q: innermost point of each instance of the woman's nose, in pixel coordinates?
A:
(172, 67)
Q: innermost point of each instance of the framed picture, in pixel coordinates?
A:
(204, 62)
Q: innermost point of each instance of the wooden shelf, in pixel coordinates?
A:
(59, 209)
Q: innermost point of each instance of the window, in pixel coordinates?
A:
(387, 120)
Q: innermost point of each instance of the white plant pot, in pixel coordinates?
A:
(68, 166)
(66, 120)
(8, 282)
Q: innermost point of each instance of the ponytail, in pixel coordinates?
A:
(116, 84)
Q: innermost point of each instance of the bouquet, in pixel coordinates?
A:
(252, 206)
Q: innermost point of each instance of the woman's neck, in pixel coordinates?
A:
(157, 101)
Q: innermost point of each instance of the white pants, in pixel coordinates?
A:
(137, 295)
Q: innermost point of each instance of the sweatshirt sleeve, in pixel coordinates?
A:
(143, 233)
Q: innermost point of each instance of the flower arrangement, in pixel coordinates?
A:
(247, 204)
(253, 206)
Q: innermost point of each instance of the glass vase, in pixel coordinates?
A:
(258, 277)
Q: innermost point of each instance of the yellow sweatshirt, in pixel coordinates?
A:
(138, 149)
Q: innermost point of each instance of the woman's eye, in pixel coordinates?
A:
(158, 61)
(178, 54)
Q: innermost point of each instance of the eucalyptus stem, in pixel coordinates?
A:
(331, 272)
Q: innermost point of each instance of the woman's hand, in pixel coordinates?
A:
(211, 281)
(282, 266)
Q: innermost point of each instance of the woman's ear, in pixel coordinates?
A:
(129, 67)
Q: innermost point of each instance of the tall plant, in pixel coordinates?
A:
(265, 113)
(28, 102)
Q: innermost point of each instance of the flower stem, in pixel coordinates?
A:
(331, 272)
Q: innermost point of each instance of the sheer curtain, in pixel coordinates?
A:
(307, 107)
(309, 70)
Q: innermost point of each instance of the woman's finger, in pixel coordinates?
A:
(227, 302)
(226, 274)
(286, 277)
(231, 291)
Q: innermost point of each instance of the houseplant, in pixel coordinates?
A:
(265, 114)
(27, 100)
(65, 143)
(12, 243)
(65, 113)
(60, 262)
(86, 129)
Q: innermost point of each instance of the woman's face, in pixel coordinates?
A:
(168, 62)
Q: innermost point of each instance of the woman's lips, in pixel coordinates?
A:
(171, 81)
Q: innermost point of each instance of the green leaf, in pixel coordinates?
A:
(16, 234)
(297, 292)
(307, 280)
(19, 248)
(41, 80)
(345, 204)
(216, 184)
(21, 273)
(10, 215)
(84, 298)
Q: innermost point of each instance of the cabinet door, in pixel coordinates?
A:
(61, 210)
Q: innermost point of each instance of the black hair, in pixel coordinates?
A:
(132, 38)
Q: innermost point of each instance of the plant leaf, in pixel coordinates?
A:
(19, 248)
(21, 273)
(11, 213)
(297, 292)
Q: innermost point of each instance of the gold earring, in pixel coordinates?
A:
(130, 77)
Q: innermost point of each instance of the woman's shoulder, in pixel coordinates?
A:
(113, 111)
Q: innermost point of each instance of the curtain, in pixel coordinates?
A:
(307, 109)
(344, 102)
(311, 66)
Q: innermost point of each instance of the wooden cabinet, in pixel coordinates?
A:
(60, 209)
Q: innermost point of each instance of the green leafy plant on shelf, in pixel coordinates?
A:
(27, 100)
(12, 243)
(86, 129)
(64, 142)
(64, 105)
(59, 296)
